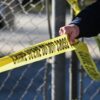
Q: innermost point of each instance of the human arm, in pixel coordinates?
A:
(87, 23)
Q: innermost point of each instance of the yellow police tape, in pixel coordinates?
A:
(87, 61)
(47, 49)
(75, 6)
(36, 52)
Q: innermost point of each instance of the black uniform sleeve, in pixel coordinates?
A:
(88, 20)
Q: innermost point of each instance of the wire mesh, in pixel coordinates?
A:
(90, 89)
(23, 23)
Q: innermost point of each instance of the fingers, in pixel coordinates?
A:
(71, 30)
(64, 30)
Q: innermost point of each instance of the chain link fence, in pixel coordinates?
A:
(24, 23)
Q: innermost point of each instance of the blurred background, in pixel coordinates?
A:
(26, 22)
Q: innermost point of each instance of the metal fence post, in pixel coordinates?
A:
(58, 67)
(74, 77)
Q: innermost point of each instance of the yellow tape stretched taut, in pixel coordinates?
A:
(47, 49)
(36, 52)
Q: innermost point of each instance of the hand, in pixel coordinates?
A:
(71, 30)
